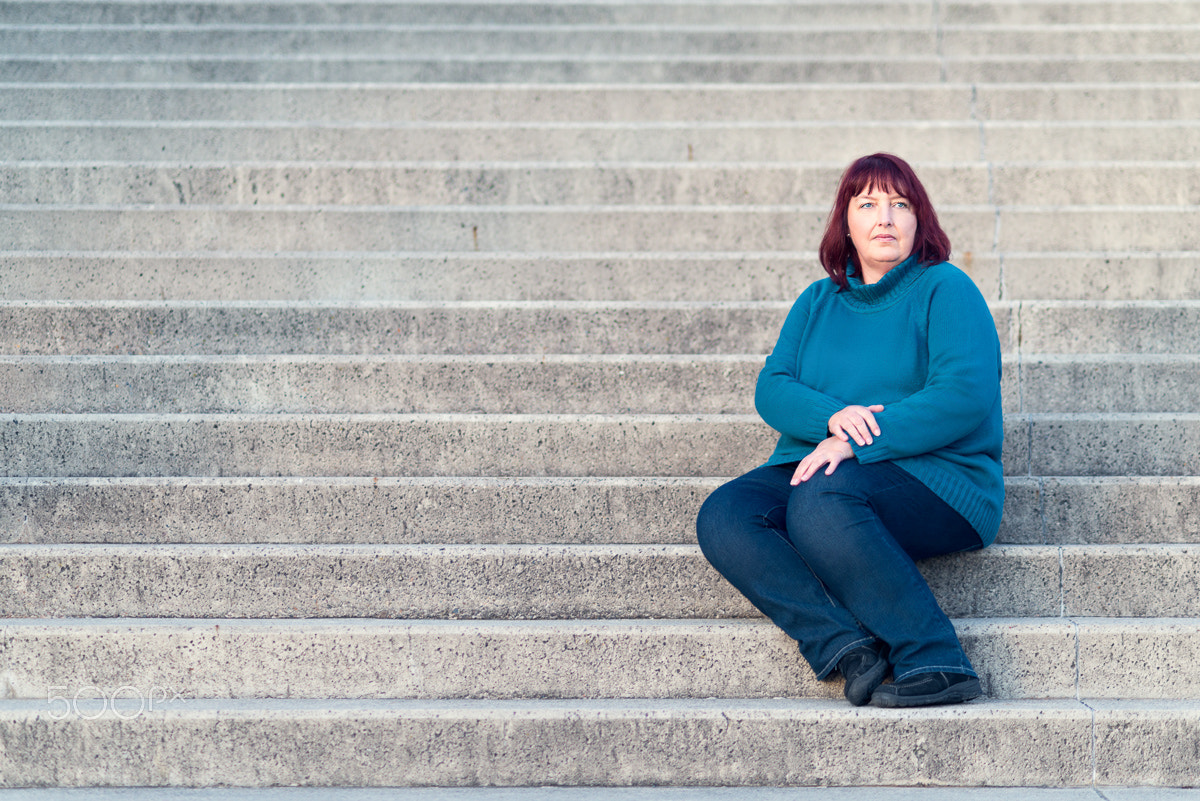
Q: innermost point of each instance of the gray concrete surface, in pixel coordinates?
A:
(502, 229)
(522, 509)
(377, 182)
(459, 743)
(485, 183)
(614, 794)
(525, 384)
(541, 581)
(624, 276)
(230, 658)
(1059, 141)
(526, 444)
(1038, 328)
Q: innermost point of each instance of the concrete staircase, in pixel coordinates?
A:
(365, 364)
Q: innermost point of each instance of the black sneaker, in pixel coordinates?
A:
(863, 669)
(926, 689)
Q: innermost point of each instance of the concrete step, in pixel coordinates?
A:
(472, 13)
(1016, 658)
(542, 183)
(1054, 13)
(1034, 12)
(609, 794)
(442, 103)
(1106, 327)
(500, 103)
(553, 40)
(64, 445)
(555, 229)
(506, 183)
(548, 581)
(1031, 328)
(535, 228)
(390, 277)
(598, 69)
(460, 510)
(838, 142)
(576, 384)
(1082, 67)
(542, 41)
(1066, 39)
(221, 141)
(644, 277)
(613, 742)
(525, 384)
(1134, 383)
(396, 328)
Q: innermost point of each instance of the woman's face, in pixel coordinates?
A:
(883, 228)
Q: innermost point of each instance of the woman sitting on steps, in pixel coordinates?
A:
(884, 386)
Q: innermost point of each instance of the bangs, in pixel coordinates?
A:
(881, 175)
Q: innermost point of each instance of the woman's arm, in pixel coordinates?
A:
(962, 383)
(784, 403)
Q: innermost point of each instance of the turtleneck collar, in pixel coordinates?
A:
(887, 289)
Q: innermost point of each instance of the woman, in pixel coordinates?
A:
(884, 387)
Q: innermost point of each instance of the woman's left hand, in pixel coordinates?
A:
(831, 451)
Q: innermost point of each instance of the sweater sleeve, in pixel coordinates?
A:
(784, 403)
(962, 384)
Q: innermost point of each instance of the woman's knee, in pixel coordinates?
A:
(822, 513)
(734, 514)
(716, 520)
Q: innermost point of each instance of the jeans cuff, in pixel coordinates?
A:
(966, 670)
(831, 664)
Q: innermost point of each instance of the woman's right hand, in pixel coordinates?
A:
(855, 422)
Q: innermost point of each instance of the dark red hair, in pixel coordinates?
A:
(891, 174)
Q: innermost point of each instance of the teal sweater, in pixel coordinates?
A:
(922, 342)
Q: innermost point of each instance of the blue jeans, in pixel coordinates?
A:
(831, 561)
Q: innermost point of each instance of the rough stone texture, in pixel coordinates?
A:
(1125, 509)
(579, 141)
(467, 40)
(1143, 658)
(1126, 276)
(491, 229)
(1147, 742)
(515, 510)
(616, 794)
(465, 103)
(375, 184)
(1114, 444)
(495, 384)
(1136, 383)
(502, 445)
(353, 510)
(1025, 658)
(382, 445)
(814, 13)
(1143, 327)
(229, 658)
(635, 192)
(1131, 580)
(137, 328)
(449, 582)
(523, 384)
(631, 69)
(468, 743)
